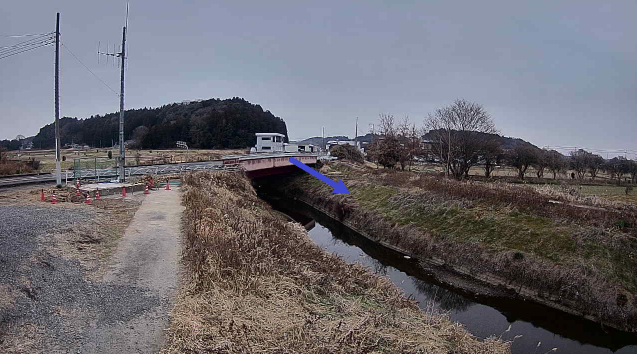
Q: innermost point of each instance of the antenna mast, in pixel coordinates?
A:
(121, 160)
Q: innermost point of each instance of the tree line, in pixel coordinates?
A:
(208, 124)
(463, 135)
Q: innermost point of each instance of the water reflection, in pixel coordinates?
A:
(445, 299)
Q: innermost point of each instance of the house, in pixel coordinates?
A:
(291, 147)
(307, 148)
(270, 142)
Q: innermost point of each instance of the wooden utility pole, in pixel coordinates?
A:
(122, 150)
(58, 168)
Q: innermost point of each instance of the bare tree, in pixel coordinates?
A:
(492, 154)
(386, 149)
(579, 162)
(555, 162)
(521, 157)
(617, 167)
(632, 167)
(540, 163)
(461, 132)
(409, 143)
(594, 164)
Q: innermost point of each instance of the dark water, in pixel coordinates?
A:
(532, 328)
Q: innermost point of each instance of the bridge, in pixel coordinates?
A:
(254, 165)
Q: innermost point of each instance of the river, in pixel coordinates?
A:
(531, 328)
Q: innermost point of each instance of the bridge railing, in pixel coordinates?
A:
(98, 174)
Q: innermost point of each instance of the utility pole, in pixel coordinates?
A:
(356, 134)
(323, 147)
(122, 150)
(58, 168)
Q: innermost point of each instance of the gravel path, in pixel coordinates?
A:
(147, 258)
(50, 302)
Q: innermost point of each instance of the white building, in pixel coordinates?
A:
(270, 142)
(291, 147)
(307, 148)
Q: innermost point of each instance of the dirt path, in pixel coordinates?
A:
(147, 258)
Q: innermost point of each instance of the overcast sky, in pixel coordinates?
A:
(555, 73)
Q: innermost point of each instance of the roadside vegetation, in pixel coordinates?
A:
(563, 247)
(9, 167)
(257, 283)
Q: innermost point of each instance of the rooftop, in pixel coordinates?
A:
(269, 134)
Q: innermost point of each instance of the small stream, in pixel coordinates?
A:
(532, 328)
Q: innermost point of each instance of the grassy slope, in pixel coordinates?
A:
(258, 284)
(580, 252)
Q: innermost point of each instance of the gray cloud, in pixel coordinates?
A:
(555, 73)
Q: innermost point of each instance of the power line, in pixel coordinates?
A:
(89, 70)
(23, 35)
(28, 42)
(3, 56)
(25, 46)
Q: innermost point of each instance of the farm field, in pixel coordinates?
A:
(99, 157)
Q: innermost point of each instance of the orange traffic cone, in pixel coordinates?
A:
(123, 191)
(167, 185)
(146, 190)
(88, 199)
(54, 199)
(97, 194)
(42, 195)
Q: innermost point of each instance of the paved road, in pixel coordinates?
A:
(147, 258)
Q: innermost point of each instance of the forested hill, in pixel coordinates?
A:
(209, 124)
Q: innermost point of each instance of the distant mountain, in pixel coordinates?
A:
(204, 124)
(506, 143)
(317, 140)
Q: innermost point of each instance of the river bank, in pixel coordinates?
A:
(509, 239)
(255, 283)
(524, 323)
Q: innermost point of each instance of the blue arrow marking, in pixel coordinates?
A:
(339, 187)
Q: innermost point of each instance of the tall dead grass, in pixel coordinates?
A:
(586, 279)
(526, 199)
(258, 284)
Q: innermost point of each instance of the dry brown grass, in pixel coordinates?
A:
(258, 284)
(580, 258)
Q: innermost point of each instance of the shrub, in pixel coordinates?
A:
(346, 152)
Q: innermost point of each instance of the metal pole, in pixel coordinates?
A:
(58, 167)
(323, 135)
(356, 134)
(122, 150)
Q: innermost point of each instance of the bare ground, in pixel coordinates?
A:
(69, 281)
